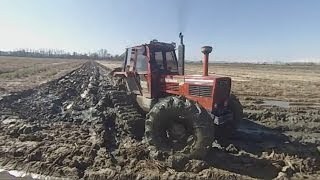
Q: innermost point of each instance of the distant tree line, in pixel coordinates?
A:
(101, 54)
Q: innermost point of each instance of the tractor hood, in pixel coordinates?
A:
(206, 90)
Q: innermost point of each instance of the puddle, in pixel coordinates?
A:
(286, 104)
(20, 175)
(283, 104)
(2, 95)
(251, 128)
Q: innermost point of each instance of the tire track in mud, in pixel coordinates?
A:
(78, 126)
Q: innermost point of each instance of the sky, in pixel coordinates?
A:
(238, 30)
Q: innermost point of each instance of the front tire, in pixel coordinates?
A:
(176, 125)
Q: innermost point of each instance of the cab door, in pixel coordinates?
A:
(142, 73)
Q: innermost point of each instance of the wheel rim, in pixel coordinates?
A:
(178, 135)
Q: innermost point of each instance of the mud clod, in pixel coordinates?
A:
(177, 162)
(232, 149)
(196, 166)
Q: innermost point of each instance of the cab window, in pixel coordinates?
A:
(142, 60)
(159, 60)
(165, 61)
(172, 66)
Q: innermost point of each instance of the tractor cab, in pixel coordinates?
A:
(163, 58)
(156, 57)
(144, 66)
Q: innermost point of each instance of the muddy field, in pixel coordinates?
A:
(21, 73)
(73, 127)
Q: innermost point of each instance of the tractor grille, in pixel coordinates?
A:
(204, 91)
(170, 87)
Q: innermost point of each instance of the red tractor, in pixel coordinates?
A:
(185, 112)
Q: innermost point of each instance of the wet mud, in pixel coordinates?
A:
(74, 127)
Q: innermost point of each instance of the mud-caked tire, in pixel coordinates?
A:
(194, 118)
(227, 129)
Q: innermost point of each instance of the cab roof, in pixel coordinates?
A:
(159, 46)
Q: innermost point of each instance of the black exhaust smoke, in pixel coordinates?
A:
(181, 54)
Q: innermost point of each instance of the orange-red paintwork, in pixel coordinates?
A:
(156, 84)
(185, 81)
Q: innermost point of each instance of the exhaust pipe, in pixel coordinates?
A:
(206, 50)
(181, 54)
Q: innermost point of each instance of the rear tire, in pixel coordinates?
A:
(177, 126)
(227, 129)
